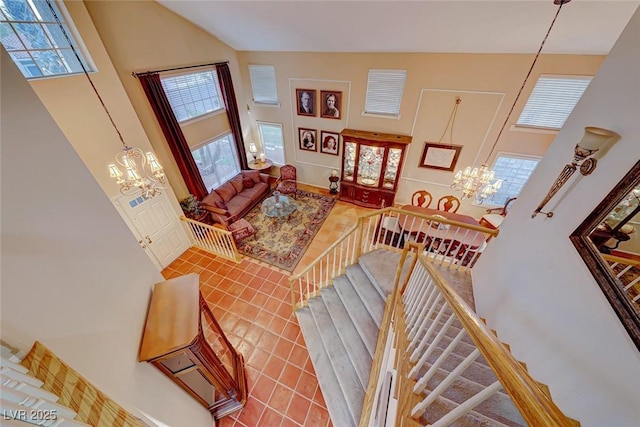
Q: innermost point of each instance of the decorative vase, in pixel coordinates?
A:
(276, 196)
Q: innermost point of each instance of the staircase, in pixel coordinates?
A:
(341, 327)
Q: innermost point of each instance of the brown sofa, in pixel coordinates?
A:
(236, 197)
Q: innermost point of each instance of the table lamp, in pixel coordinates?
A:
(254, 151)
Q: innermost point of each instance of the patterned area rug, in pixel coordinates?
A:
(283, 243)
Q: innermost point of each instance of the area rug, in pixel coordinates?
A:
(283, 243)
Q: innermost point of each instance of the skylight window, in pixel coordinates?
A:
(34, 40)
(552, 100)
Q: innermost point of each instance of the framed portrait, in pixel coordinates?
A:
(330, 104)
(440, 156)
(306, 102)
(307, 139)
(329, 142)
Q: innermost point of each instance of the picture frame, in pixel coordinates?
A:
(329, 142)
(440, 156)
(331, 104)
(307, 139)
(306, 102)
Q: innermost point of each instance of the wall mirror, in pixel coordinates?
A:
(609, 242)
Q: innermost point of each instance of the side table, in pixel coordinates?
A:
(260, 165)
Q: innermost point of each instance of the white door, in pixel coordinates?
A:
(156, 225)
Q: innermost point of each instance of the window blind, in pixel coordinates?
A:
(552, 101)
(193, 95)
(272, 141)
(384, 91)
(263, 83)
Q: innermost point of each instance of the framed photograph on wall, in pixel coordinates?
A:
(329, 142)
(440, 156)
(306, 102)
(307, 139)
(330, 104)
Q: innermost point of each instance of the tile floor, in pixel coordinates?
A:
(251, 301)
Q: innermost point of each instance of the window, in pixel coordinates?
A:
(514, 170)
(32, 36)
(263, 84)
(193, 95)
(552, 100)
(384, 92)
(272, 141)
(217, 161)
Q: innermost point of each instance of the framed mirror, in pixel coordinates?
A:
(609, 242)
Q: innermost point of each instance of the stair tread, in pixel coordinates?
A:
(351, 339)
(327, 379)
(441, 406)
(352, 389)
(358, 313)
(380, 266)
(367, 291)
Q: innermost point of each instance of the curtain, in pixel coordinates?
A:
(173, 134)
(229, 95)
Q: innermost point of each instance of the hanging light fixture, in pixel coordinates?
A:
(480, 182)
(143, 173)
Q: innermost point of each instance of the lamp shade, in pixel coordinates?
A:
(594, 138)
(252, 147)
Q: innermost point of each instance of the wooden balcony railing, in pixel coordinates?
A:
(212, 239)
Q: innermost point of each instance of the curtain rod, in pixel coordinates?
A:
(134, 74)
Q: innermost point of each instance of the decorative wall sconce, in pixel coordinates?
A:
(593, 140)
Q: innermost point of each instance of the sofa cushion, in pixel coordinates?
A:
(247, 182)
(236, 181)
(213, 199)
(257, 192)
(239, 204)
(226, 191)
(254, 175)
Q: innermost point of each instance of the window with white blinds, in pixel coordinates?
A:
(384, 92)
(193, 95)
(552, 100)
(263, 84)
(272, 141)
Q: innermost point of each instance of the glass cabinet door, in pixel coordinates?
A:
(370, 165)
(349, 160)
(391, 172)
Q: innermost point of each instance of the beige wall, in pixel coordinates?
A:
(531, 284)
(487, 85)
(73, 276)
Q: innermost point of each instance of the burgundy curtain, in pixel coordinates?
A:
(173, 133)
(229, 95)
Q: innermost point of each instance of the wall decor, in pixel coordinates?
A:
(330, 104)
(440, 156)
(330, 142)
(307, 138)
(306, 102)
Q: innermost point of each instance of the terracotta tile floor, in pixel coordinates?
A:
(251, 301)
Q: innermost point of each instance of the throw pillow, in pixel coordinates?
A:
(254, 175)
(213, 199)
(236, 181)
(226, 191)
(248, 182)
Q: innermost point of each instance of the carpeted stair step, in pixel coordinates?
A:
(367, 292)
(441, 407)
(327, 379)
(358, 312)
(381, 266)
(351, 339)
(478, 372)
(498, 407)
(352, 389)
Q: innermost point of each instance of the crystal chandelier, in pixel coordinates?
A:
(142, 174)
(479, 182)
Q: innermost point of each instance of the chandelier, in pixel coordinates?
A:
(479, 182)
(142, 174)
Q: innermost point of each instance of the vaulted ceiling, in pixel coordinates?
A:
(499, 26)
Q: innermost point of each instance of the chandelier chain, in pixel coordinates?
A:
(513, 106)
(452, 121)
(84, 70)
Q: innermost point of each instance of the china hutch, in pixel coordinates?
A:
(184, 340)
(371, 164)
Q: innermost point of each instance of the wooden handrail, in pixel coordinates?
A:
(632, 260)
(534, 405)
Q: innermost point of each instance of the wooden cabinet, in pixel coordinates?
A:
(184, 340)
(371, 164)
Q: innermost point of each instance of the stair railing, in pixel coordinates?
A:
(417, 317)
(625, 267)
(443, 238)
(212, 239)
